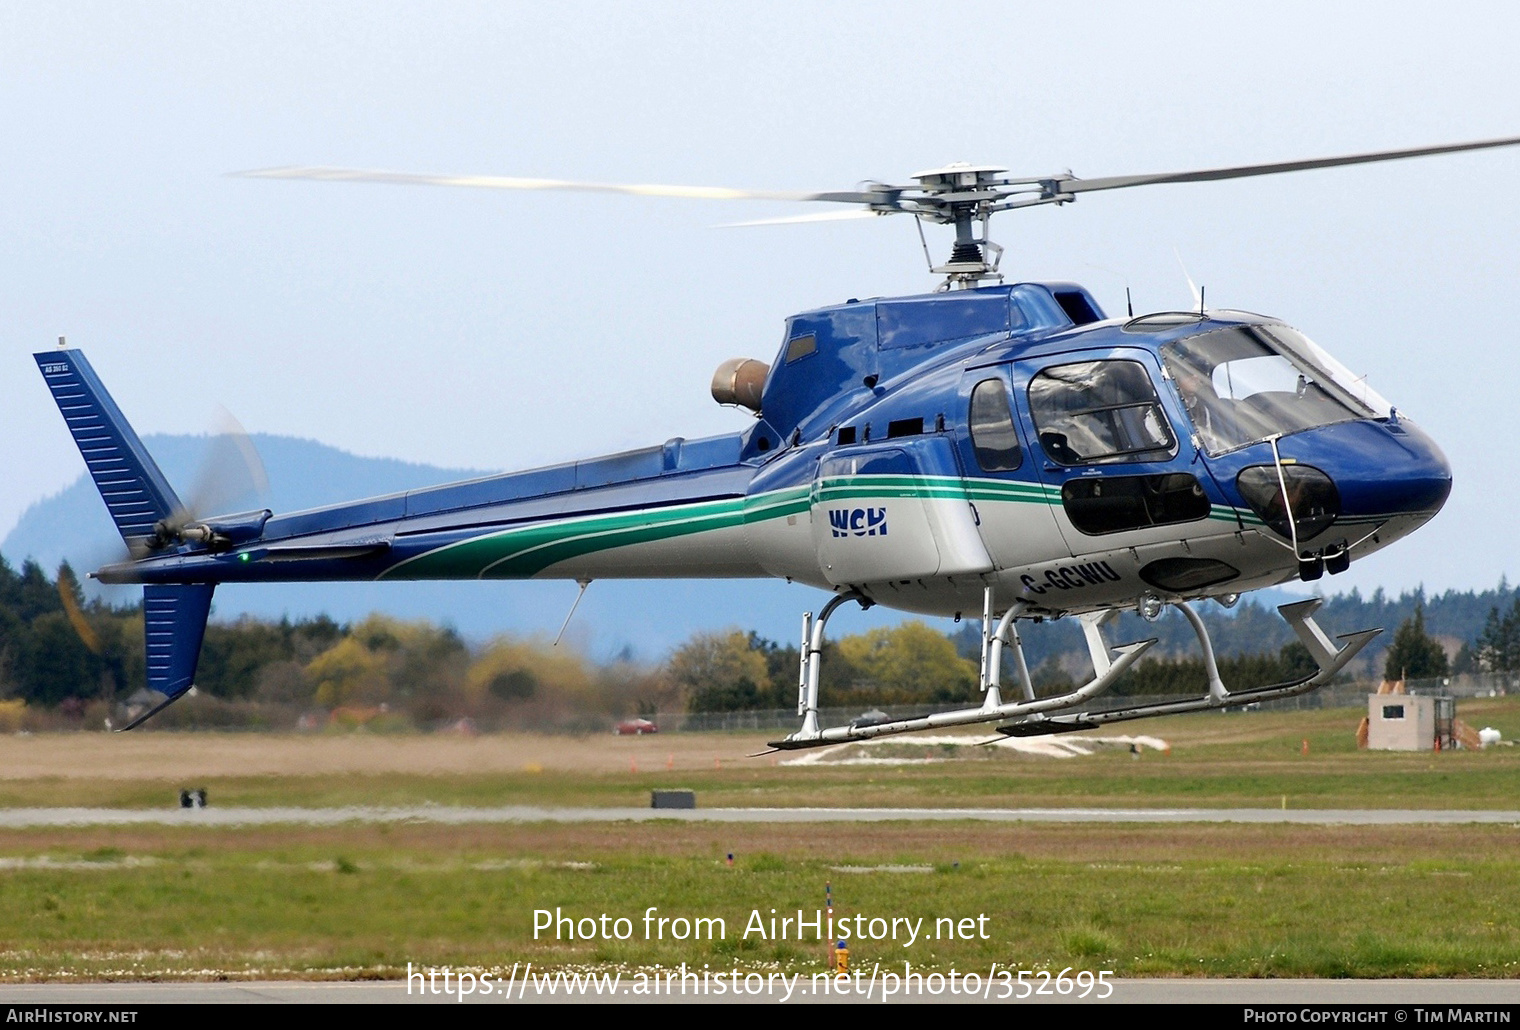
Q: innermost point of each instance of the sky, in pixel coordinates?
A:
(498, 330)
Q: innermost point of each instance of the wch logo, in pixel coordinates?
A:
(858, 521)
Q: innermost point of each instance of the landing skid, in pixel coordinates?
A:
(1030, 715)
(1299, 615)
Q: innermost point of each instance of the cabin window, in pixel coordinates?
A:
(1162, 321)
(1077, 307)
(800, 347)
(1110, 504)
(1393, 711)
(993, 436)
(1099, 412)
(1247, 383)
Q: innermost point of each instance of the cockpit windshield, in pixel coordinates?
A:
(1243, 384)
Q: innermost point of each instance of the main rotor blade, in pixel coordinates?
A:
(502, 182)
(823, 216)
(1072, 184)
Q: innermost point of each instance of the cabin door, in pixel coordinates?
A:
(893, 512)
(1010, 503)
(1119, 466)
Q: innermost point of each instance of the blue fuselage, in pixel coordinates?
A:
(874, 464)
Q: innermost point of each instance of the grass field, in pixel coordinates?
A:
(363, 900)
(1238, 760)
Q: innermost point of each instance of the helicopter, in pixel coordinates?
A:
(1001, 449)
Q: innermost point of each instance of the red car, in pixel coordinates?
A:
(635, 728)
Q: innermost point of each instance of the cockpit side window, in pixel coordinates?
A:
(1099, 412)
(993, 436)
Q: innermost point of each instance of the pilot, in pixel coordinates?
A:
(1204, 407)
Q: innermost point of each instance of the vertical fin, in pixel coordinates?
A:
(134, 490)
(174, 624)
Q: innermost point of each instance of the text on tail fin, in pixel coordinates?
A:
(135, 492)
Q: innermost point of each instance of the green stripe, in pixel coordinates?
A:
(527, 562)
(523, 551)
(836, 488)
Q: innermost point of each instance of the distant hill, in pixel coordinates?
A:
(643, 618)
(302, 474)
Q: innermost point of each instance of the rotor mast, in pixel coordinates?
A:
(962, 195)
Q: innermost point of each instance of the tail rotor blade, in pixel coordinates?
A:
(68, 595)
(231, 475)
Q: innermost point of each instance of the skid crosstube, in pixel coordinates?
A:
(1108, 665)
(1124, 656)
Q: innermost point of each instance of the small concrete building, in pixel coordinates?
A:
(1408, 722)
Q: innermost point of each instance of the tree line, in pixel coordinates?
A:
(61, 652)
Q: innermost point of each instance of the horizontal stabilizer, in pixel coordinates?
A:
(136, 493)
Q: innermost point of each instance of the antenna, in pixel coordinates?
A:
(573, 605)
(1129, 302)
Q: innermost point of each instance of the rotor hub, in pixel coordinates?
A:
(959, 176)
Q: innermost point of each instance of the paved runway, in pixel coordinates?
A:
(14, 818)
(1443, 993)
